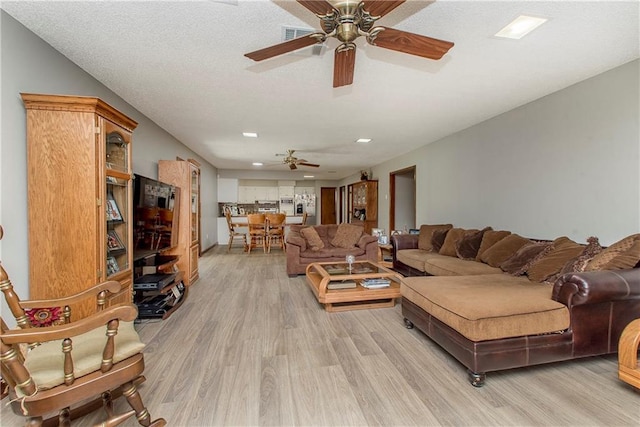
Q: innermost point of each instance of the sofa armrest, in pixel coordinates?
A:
(296, 239)
(365, 240)
(404, 241)
(597, 286)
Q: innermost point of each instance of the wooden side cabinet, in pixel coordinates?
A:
(363, 203)
(79, 197)
(185, 175)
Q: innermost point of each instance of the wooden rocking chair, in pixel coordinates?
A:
(54, 366)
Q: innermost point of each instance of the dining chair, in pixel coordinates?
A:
(257, 231)
(275, 230)
(234, 234)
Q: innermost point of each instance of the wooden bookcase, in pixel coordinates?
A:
(186, 175)
(79, 197)
(363, 204)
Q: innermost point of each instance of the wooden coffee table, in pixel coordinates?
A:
(321, 274)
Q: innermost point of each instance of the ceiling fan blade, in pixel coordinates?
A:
(410, 43)
(319, 7)
(343, 66)
(288, 46)
(313, 165)
(381, 7)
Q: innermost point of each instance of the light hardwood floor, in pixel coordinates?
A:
(251, 347)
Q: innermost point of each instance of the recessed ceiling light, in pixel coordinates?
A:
(256, 164)
(520, 27)
(308, 176)
(364, 140)
(250, 134)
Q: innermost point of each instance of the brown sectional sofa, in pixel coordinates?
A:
(490, 320)
(300, 254)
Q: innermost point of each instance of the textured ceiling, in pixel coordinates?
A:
(182, 65)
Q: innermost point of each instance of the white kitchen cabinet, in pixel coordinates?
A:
(285, 192)
(271, 193)
(227, 190)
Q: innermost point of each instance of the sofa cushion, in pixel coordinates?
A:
(579, 263)
(347, 235)
(622, 254)
(467, 247)
(444, 265)
(503, 249)
(488, 307)
(489, 239)
(426, 233)
(449, 246)
(313, 239)
(415, 258)
(519, 262)
(329, 252)
(437, 239)
(563, 249)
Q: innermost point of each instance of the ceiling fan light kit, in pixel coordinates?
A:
(346, 20)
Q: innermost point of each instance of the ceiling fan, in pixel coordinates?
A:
(294, 162)
(347, 20)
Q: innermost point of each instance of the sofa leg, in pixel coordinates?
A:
(476, 379)
(408, 323)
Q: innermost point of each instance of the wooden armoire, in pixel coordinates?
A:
(79, 197)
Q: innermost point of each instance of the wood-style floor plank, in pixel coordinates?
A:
(252, 347)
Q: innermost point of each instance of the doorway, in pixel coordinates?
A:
(402, 199)
(328, 205)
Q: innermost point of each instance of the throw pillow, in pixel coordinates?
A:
(347, 236)
(578, 264)
(489, 239)
(426, 233)
(519, 262)
(468, 246)
(437, 239)
(622, 254)
(505, 248)
(449, 246)
(563, 249)
(313, 238)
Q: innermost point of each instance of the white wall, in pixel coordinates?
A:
(31, 65)
(566, 164)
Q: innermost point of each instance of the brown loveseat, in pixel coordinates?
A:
(491, 320)
(300, 253)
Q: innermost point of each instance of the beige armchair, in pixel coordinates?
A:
(54, 365)
(628, 370)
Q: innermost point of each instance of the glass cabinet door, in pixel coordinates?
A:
(118, 193)
(195, 205)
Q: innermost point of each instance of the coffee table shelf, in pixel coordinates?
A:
(320, 274)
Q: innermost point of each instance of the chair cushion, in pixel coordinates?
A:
(46, 361)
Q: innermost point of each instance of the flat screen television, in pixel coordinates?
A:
(155, 215)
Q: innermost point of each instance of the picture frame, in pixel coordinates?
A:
(383, 239)
(377, 232)
(414, 231)
(113, 212)
(114, 243)
(112, 266)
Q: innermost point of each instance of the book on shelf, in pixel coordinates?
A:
(343, 284)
